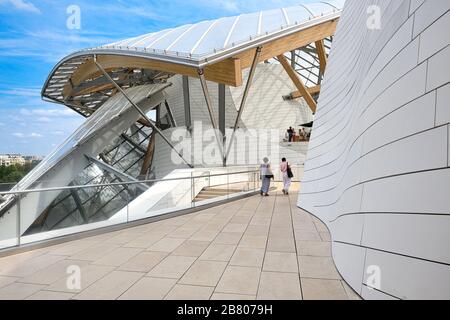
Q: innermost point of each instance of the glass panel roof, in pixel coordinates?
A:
(208, 37)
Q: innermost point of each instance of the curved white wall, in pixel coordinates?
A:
(378, 171)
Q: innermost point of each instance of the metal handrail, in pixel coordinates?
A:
(123, 183)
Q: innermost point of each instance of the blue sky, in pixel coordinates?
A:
(34, 37)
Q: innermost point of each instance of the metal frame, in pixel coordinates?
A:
(209, 105)
(142, 113)
(187, 103)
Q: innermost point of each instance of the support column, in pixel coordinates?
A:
(209, 105)
(187, 103)
(222, 127)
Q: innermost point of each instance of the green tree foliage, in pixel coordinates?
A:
(14, 173)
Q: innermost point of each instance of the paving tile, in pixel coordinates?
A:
(279, 286)
(320, 289)
(172, 267)
(314, 248)
(231, 296)
(143, 261)
(257, 230)
(204, 235)
(248, 257)
(149, 289)
(255, 242)
(307, 236)
(19, 291)
(317, 267)
(89, 274)
(4, 281)
(281, 244)
(53, 273)
(280, 262)
(166, 245)
(118, 257)
(191, 248)
(218, 252)
(95, 252)
(71, 248)
(144, 241)
(325, 236)
(204, 273)
(50, 295)
(240, 280)
(235, 227)
(188, 292)
(110, 287)
(183, 233)
(227, 238)
(25, 268)
(281, 232)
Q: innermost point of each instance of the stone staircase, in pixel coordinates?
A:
(215, 192)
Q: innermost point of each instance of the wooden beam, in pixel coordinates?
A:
(148, 159)
(289, 43)
(227, 71)
(298, 83)
(320, 48)
(311, 90)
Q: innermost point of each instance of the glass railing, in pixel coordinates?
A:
(41, 214)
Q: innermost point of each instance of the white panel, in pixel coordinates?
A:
(405, 278)
(435, 37)
(409, 234)
(350, 262)
(442, 107)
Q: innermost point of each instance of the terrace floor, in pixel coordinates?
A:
(255, 248)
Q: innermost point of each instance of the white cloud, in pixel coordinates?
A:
(31, 135)
(23, 92)
(18, 135)
(22, 5)
(43, 119)
(47, 113)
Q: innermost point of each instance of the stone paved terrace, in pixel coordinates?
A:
(255, 248)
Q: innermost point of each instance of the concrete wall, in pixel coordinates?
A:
(377, 171)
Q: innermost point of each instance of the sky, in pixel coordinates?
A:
(34, 36)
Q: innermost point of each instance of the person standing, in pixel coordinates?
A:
(266, 176)
(290, 133)
(287, 175)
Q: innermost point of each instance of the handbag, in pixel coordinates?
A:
(289, 172)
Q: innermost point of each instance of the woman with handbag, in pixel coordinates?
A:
(266, 175)
(287, 175)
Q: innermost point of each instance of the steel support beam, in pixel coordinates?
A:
(244, 99)
(187, 103)
(298, 83)
(170, 113)
(132, 143)
(222, 114)
(142, 113)
(122, 176)
(209, 105)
